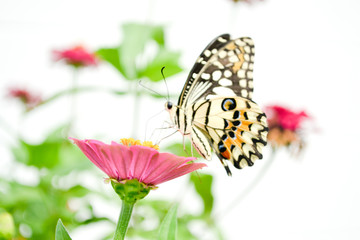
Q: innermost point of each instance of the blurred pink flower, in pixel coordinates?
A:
(30, 100)
(284, 117)
(284, 126)
(76, 56)
(133, 160)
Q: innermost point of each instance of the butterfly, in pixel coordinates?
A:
(215, 109)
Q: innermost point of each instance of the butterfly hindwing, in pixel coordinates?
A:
(235, 127)
(201, 142)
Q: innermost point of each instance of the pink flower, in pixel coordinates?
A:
(133, 160)
(30, 100)
(77, 56)
(285, 118)
(285, 126)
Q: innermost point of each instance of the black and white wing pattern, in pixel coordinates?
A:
(215, 108)
(224, 68)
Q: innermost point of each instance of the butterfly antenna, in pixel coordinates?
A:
(151, 90)
(167, 88)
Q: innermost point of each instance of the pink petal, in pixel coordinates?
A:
(88, 151)
(122, 158)
(179, 172)
(142, 157)
(165, 163)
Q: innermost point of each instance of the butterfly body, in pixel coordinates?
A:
(215, 109)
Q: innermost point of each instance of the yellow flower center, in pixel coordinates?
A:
(130, 142)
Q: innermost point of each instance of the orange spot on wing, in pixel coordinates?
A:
(238, 64)
(231, 46)
(226, 154)
(244, 126)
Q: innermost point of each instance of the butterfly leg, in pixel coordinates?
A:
(191, 147)
(184, 147)
(169, 135)
(157, 133)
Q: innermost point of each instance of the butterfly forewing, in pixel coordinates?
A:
(208, 52)
(225, 68)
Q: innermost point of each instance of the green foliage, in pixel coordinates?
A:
(55, 153)
(168, 226)
(178, 149)
(45, 154)
(203, 183)
(112, 56)
(136, 37)
(39, 206)
(166, 58)
(154, 211)
(7, 227)
(60, 232)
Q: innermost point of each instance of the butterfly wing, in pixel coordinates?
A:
(235, 127)
(224, 68)
(204, 57)
(215, 104)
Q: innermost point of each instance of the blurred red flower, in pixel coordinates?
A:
(284, 117)
(76, 56)
(284, 126)
(29, 99)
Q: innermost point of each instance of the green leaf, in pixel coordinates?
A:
(56, 153)
(60, 232)
(158, 35)
(168, 226)
(120, 93)
(41, 155)
(71, 159)
(112, 56)
(135, 37)
(77, 191)
(203, 185)
(164, 58)
(178, 149)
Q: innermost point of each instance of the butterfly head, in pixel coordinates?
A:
(172, 109)
(168, 106)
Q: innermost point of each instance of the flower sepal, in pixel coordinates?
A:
(130, 190)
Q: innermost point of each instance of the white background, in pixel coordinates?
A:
(307, 57)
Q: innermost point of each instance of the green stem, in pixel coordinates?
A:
(124, 219)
